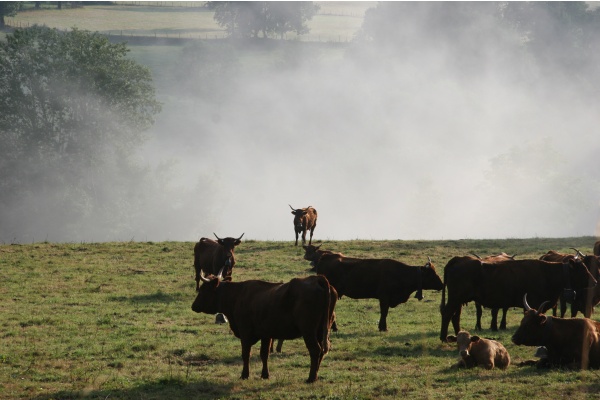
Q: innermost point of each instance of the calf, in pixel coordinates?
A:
(572, 343)
(475, 351)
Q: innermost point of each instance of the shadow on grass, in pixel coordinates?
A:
(157, 297)
(164, 388)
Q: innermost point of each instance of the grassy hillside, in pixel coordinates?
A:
(113, 320)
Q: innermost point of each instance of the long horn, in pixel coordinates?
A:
(476, 255)
(429, 261)
(578, 252)
(292, 207)
(525, 304)
(216, 236)
(220, 274)
(203, 278)
(240, 236)
(541, 307)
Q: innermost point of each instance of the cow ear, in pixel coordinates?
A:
(475, 338)
(451, 339)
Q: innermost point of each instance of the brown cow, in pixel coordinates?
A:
(586, 300)
(210, 256)
(572, 343)
(389, 281)
(503, 284)
(494, 324)
(305, 219)
(475, 351)
(259, 310)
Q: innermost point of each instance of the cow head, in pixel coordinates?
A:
(464, 341)
(534, 325)
(206, 299)
(228, 244)
(311, 253)
(431, 280)
(299, 221)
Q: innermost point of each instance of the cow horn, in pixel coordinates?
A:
(579, 254)
(216, 236)
(220, 274)
(203, 278)
(476, 255)
(292, 207)
(428, 261)
(240, 236)
(525, 304)
(541, 307)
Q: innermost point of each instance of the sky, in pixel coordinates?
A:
(418, 148)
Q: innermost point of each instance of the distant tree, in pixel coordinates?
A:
(74, 109)
(7, 9)
(249, 18)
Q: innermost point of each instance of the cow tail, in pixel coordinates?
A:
(443, 304)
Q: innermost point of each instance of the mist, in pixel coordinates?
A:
(459, 135)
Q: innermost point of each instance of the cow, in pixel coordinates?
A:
(572, 343)
(585, 301)
(210, 256)
(305, 219)
(389, 281)
(314, 253)
(503, 284)
(475, 351)
(259, 310)
(494, 324)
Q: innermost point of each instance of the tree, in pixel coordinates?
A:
(249, 18)
(73, 112)
(7, 9)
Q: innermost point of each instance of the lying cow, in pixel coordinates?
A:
(475, 351)
(572, 343)
(305, 219)
(259, 310)
(389, 281)
(210, 256)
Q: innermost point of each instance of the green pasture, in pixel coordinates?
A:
(113, 321)
(336, 21)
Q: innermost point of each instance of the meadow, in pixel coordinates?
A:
(114, 321)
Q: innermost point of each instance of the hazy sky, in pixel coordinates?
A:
(418, 149)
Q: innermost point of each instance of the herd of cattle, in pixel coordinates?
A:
(304, 307)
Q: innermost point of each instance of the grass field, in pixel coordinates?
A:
(113, 321)
(336, 21)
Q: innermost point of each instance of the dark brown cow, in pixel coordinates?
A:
(503, 284)
(586, 300)
(305, 219)
(210, 256)
(572, 343)
(259, 310)
(475, 351)
(494, 324)
(389, 281)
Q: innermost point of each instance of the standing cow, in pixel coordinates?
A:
(475, 351)
(583, 301)
(389, 281)
(572, 343)
(210, 256)
(503, 284)
(305, 219)
(259, 310)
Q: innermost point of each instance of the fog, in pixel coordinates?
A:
(417, 148)
(447, 140)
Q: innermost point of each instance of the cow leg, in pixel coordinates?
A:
(563, 307)
(503, 321)
(311, 235)
(303, 237)
(246, 346)
(279, 345)
(456, 320)
(494, 324)
(265, 348)
(384, 308)
(479, 312)
(447, 312)
(316, 355)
